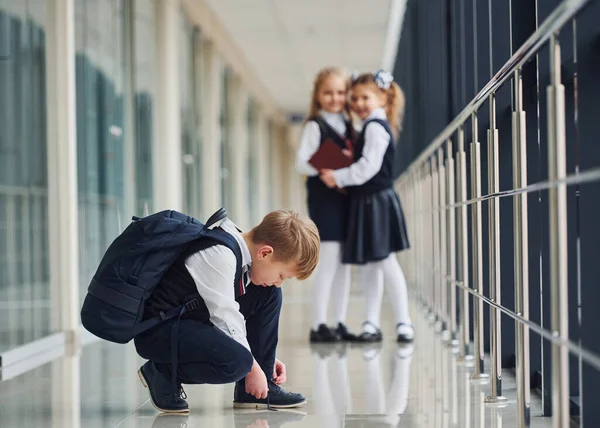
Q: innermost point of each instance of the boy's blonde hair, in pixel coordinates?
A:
(294, 238)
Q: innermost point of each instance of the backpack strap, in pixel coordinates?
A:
(215, 218)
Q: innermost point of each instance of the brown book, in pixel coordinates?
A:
(330, 156)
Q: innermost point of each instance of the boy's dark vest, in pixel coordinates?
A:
(178, 286)
(384, 179)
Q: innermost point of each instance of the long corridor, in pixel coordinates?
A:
(419, 385)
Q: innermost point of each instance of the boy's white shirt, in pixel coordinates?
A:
(310, 140)
(377, 140)
(213, 271)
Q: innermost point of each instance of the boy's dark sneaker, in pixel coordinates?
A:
(161, 390)
(343, 333)
(323, 335)
(278, 398)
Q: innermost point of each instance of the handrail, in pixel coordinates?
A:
(557, 19)
(589, 357)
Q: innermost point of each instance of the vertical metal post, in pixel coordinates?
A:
(427, 230)
(558, 239)
(423, 222)
(477, 265)
(418, 236)
(521, 251)
(451, 242)
(442, 245)
(495, 397)
(463, 251)
(435, 242)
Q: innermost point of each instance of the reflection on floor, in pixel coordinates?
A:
(355, 386)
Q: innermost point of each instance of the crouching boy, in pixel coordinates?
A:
(232, 333)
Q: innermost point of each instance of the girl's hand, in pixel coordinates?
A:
(328, 178)
(348, 153)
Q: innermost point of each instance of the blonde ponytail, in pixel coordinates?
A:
(394, 108)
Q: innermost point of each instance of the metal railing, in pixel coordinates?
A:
(434, 190)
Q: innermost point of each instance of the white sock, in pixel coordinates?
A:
(330, 256)
(341, 293)
(372, 277)
(395, 284)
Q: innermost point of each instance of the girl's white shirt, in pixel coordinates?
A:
(377, 140)
(310, 140)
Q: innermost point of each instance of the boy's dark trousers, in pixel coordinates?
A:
(207, 355)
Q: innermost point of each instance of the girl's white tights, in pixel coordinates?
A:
(373, 276)
(331, 277)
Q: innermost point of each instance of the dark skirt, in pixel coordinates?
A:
(376, 227)
(328, 208)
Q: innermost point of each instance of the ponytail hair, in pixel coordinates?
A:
(383, 82)
(394, 108)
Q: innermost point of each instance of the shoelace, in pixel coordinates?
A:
(269, 408)
(182, 393)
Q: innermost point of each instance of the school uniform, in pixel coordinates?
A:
(376, 226)
(232, 324)
(328, 208)
(325, 206)
(376, 223)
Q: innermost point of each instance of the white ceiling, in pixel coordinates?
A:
(288, 41)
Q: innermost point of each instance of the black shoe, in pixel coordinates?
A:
(343, 333)
(161, 390)
(370, 337)
(407, 336)
(278, 398)
(323, 335)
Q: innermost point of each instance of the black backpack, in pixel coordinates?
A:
(135, 263)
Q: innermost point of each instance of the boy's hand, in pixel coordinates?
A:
(279, 372)
(256, 382)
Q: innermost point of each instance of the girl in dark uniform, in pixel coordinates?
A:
(376, 224)
(328, 208)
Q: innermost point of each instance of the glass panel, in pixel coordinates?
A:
(100, 81)
(252, 164)
(145, 78)
(24, 270)
(190, 123)
(226, 181)
(272, 162)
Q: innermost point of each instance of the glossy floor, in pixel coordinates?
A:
(346, 386)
